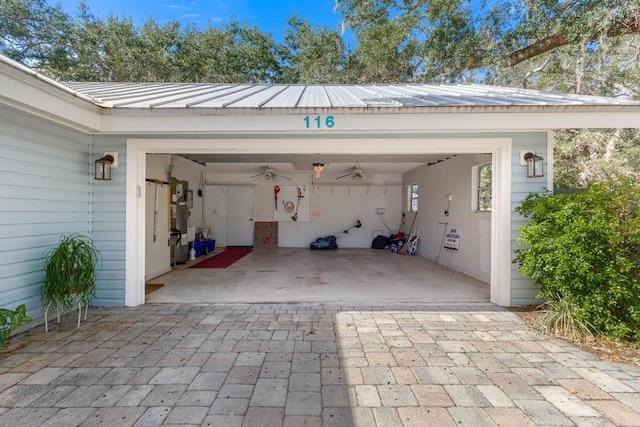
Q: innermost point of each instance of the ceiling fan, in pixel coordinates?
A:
(269, 174)
(356, 174)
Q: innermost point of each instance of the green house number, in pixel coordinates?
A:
(319, 122)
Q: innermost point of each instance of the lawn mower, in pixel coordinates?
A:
(329, 242)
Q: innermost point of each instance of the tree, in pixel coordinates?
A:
(231, 54)
(458, 37)
(34, 33)
(315, 54)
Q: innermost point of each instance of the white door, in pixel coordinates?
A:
(239, 216)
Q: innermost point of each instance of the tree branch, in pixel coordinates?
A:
(557, 40)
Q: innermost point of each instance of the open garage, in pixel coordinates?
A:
(452, 157)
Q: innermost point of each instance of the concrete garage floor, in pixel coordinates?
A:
(287, 275)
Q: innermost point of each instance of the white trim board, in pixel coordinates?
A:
(499, 148)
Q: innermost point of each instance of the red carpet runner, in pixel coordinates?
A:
(224, 259)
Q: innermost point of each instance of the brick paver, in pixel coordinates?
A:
(313, 365)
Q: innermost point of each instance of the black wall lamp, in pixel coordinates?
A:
(533, 162)
(103, 166)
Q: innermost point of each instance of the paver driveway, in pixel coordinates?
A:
(308, 365)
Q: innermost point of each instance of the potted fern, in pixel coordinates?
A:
(70, 274)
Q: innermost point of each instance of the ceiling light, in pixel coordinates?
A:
(317, 168)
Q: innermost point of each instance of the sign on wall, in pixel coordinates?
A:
(452, 239)
(291, 203)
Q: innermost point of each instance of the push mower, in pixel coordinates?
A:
(329, 242)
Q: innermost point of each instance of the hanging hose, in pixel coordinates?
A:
(441, 242)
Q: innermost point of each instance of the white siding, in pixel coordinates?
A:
(523, 290)
(109, 223)
(44, 193)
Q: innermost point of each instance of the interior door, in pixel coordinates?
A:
(239, 216)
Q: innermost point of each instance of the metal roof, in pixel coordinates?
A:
(263, 96)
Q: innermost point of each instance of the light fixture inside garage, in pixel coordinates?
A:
(317, 168)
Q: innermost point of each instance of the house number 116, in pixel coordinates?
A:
(317, 122)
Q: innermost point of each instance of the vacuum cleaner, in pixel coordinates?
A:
(329, 242)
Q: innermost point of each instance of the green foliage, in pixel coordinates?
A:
(584, 249)
(34, 33)
(586, 155)
(314, 55)
(10, 320)
(560, 317)
(70, 271)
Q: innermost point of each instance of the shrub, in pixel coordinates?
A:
(10, 320)
(584, 249)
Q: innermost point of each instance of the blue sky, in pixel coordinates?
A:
(269, 15)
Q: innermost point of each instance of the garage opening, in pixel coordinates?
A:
(234, 204)
(376, 189)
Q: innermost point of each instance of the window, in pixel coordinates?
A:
(413, 198)
(482, 187)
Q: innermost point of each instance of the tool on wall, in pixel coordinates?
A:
(300, 196)
(276, 190)
(442, 242)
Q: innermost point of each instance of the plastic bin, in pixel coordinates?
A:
(211, 245)
(197, 246)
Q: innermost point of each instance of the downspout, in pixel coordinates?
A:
(91, 171)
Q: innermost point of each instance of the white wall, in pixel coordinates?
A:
(158, 253)
(333, 208)
(453, 177)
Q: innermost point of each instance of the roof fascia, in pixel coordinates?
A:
(28, 91)
(368, 121)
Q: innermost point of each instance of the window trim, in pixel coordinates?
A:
(475, 187)
(410, 197)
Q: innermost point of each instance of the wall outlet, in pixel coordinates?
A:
(381, 211)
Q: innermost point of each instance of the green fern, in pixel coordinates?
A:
(70, 271)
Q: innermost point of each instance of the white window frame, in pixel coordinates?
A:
(410, 197)
(475, 187)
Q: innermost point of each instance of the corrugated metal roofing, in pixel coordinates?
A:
(249, 96)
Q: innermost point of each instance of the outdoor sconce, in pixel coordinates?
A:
(317, 168)
(103, 166)
(534, 165)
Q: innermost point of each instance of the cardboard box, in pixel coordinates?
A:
(265, 235)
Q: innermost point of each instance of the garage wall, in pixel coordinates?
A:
(44, 193)
(158, 253)
(333, 208)
(452, 176)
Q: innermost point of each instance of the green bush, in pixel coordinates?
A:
(11, 319)
(583, 249)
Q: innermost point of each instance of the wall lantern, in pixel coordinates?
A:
(317, 168)
(103, 166)
(534, 165)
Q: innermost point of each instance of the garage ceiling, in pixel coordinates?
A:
(371, 164)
